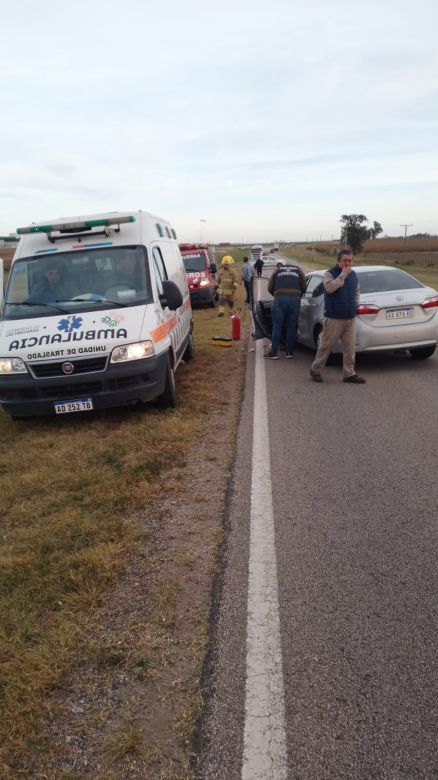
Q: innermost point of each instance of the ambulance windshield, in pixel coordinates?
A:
(83, 280)
(194, 262)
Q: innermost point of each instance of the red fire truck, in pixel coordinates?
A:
(200, 266)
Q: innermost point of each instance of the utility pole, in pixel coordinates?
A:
(406, 228)
(201, 231)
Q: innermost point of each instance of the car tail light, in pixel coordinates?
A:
(367, 308)
(430, 303)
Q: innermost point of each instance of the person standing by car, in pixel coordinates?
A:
(247, 274)
(287, 284)
(258, 265)
(227, 283)
(341, 299)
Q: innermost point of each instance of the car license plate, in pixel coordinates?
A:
(76, 405)
(400, 314)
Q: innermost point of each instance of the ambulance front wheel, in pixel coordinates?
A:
(189, 352)
(167, 400)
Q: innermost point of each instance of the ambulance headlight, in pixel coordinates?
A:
(12, 366)
(142, 349)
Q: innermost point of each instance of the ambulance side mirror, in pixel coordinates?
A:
(172, 295)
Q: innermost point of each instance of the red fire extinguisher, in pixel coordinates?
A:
(235, 325)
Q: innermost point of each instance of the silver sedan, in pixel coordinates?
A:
(396, 312)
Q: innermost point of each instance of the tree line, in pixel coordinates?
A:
(355, 231)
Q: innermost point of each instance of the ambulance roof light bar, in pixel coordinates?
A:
(72, 227)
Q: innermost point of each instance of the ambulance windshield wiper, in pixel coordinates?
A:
(38, 303)
(96, 300)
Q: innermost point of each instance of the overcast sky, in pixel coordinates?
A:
(269, 120)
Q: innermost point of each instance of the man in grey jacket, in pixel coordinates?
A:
(341, 299)
(247, 274)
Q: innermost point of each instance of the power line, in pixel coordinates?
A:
(406, 227)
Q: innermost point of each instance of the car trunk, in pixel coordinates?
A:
(394, 307)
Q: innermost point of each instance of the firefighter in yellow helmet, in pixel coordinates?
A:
(226, 282)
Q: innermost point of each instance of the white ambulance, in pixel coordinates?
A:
(96, 313)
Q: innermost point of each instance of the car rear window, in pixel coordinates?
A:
(387, 280)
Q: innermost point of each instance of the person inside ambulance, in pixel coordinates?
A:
(53, 285)
(227, 283)
(129, 272)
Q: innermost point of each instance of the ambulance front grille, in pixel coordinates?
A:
(87, 366)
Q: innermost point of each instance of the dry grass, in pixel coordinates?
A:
(90, 502)
(382, 245)
(426, 274)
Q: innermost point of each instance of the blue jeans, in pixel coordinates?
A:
(285, 311)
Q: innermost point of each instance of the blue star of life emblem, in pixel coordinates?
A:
(68, 324)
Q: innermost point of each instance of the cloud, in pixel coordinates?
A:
(244, 108)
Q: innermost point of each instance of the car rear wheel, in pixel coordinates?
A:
(422, 353)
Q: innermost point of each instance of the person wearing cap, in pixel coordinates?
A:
(227, 283)
(53, 286)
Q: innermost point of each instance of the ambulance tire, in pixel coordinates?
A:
(167, 400)
(189, 352)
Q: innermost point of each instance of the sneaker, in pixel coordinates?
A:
(221, 314)
(271, 355)
(316, 376)
(355, 379)
(289, 355)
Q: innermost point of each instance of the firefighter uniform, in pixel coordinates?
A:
(227, 282)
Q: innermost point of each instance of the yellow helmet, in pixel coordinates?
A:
(227, 260)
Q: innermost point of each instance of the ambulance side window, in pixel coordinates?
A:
(160, 269)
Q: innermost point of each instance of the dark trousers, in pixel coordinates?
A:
(285, 311)
(248, 290)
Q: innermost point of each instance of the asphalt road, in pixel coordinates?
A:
(353, 475)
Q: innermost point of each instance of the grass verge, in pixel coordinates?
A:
(110, 534)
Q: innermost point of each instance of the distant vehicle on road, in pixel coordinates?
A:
(396, 312)
(256, 252)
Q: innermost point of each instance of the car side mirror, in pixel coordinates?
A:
(172, 296)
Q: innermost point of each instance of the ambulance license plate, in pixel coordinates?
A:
(76, 405)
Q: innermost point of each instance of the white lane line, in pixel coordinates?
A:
(264, 747)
